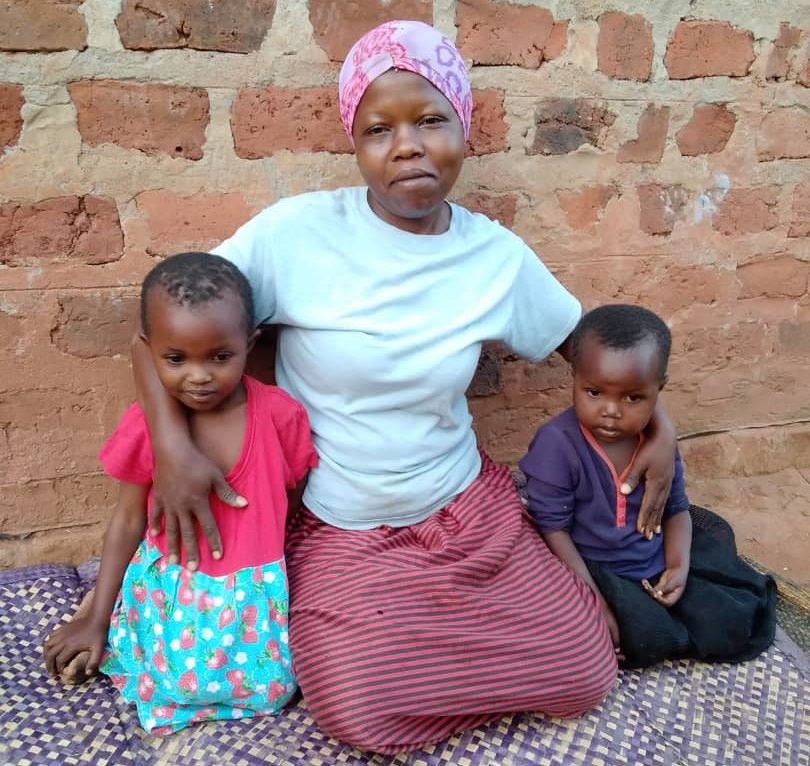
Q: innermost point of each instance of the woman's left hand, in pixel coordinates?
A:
(656, 463)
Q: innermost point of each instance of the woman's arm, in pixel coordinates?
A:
(184, 477)
(88, 633)
(656, 463)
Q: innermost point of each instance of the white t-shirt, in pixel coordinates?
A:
(381, 334)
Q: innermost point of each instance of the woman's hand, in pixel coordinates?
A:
(669, 587)
(82, 634)
(656, 463)
(183, 481)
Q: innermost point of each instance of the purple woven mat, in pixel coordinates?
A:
(681, 713)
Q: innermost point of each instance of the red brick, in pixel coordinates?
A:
(784, 134)
(584, 208)
(660, 207)
(777, 66)
(564, 124)
(337, 25)
(708, 131)
(781, 277)
(794, 338)
(198, 222)
(38, 505)
(747, 211)
(652, 137)
(625, 46)
(800, 212)
(33, 25)
(488, 129)
(272, 119)
(505, 34)
(200, 24)
(487, 379)
(86, 229)
(152, 118)
(11, 101)
(708, 49)
(804, 74)
(501, 208)
(94, 324)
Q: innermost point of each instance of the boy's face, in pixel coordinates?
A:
(199, 352)
(615, 390)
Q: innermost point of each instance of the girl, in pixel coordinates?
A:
(686, 595)
(192, 643)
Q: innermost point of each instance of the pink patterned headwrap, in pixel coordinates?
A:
(414, 47)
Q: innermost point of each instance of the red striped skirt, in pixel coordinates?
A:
(404, 636)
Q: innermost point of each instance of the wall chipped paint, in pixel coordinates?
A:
(660, 157)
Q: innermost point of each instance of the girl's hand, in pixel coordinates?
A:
(656, 463)
(183, 481)
(82, 634)
(669, 587)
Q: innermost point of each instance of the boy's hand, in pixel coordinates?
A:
(81, 635)
(182, 501)
(613, 627)
(670, 586)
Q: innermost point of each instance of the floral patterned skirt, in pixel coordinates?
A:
(186, 647)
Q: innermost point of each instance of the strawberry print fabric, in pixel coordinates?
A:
(188, 647)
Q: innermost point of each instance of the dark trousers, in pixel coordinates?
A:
(727, 612)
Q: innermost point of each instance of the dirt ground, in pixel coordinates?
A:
(770, 514)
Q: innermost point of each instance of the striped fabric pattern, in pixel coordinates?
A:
(404, 636)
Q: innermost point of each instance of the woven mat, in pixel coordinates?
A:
(676, 713)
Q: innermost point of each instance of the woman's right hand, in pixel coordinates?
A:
(183, 481)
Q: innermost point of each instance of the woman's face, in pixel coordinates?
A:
(409, 145)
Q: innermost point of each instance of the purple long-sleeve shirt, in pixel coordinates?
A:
(572, 486)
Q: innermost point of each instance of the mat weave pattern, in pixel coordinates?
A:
(678, 713)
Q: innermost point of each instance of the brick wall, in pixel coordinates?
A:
(660, 157)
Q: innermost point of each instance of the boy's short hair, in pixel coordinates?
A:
(191, 279)
(622, 326)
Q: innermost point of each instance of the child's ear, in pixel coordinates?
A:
(663, 382)
(143, 336)
(253, 338)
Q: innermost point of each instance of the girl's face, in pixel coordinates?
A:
(200, 351)
(409, 145)
(615, 390)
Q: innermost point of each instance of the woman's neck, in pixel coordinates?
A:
(435, 222)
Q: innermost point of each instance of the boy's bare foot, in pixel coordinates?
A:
(74, 672)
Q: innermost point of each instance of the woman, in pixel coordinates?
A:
(421, 600)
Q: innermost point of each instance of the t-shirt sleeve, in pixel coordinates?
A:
(250, 250)
(549, 481)
(543, 312)
(295, 437)
(127, 455)
(677, 501)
